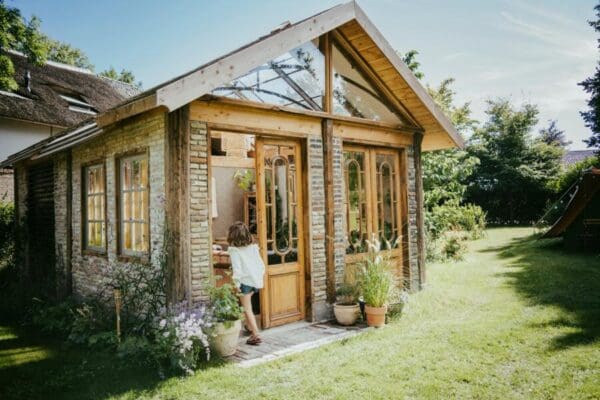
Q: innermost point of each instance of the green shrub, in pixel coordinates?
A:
(348, 293)
(225, 304)
(454, 245)
(469, 218)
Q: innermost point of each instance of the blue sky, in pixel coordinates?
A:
(530, 51)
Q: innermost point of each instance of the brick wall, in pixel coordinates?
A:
(61, 191)
(413, 249)
(142, 133)
(200, 246)
(339, 216)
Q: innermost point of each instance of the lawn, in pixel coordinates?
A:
(518, 318)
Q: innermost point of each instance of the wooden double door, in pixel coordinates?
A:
(281, 233)
(375, 203)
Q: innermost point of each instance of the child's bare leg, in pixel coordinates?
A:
(250, 320)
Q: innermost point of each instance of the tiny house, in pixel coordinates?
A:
(312, 135)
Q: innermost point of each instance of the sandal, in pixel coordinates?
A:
(254, 341)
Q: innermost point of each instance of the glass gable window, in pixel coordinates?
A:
(294, 79)
(94, 215)
(354, 95)
(133, 205)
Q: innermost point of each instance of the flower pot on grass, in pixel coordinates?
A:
(375, 316)
(226, 336)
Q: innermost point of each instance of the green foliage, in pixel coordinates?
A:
(65, 53)
(375, 278)
(460, 116)
(511, 181)
(123, 76)
(452, 217)
(410, 59)
(591, 85)
(552, 135)
(225, 304)
(348, 293)
(564, 180)
(7, 234)
(445, 176)
(244, 178)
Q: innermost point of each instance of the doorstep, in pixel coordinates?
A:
(291, 339)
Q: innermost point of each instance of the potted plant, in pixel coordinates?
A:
(376, 284)
(346, 307)
(228, 315)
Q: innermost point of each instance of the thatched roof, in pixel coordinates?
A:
(44, 104)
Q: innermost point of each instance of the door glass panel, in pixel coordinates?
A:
(294, 79)
(356, 202)
(354, 95)
(281, 204)
(388, 229)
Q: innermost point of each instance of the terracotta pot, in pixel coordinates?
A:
(226, 337)
(375, 316)
(346, 314)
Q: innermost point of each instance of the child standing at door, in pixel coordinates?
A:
(248, 270)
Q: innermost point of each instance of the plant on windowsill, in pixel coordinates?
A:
(346, 308)
(377, 283)
(228, 315)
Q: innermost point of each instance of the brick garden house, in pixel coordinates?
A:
(312, 134)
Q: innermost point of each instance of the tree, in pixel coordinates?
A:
(553, 136)
(591, 85)
(65, 53)
(17, 34)
(123, 76)
(512, 181)
(410, 59)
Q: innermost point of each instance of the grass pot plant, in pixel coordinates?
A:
(377, 283)
(346, 308)
(228, 315)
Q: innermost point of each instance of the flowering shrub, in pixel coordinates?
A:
(180, 338)
(226, 307)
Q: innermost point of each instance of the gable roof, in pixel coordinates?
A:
(587, 188)
(348, 19)
(44, 104)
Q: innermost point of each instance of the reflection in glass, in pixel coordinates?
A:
(94, 237)
(134, 204)
(388, 230)
(294, 79)
(281, 203)
(356, 202)
(354, 95)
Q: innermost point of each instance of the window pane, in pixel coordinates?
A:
(134, 204)
(387, 201)
(356, 202)
(295, 79)
(354, 95)
(94, 207)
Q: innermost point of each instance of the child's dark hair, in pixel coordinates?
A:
(239, 235)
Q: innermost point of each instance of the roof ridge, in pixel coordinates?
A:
(55, 63)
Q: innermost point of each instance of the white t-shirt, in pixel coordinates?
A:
(247, 265)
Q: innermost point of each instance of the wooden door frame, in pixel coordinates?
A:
(261, 141)
(370, 187)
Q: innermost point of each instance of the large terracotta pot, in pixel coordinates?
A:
(226, 337)
(346, 314)
(375, 315)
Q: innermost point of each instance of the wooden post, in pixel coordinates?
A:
(177, 199)
(327, 135)
(418, 140)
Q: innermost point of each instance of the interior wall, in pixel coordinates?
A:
(229, 200)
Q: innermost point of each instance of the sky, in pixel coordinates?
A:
(528, 51)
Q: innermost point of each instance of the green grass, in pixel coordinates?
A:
(518, 318)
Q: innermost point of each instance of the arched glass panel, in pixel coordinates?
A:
(388, 230)
(356, 202)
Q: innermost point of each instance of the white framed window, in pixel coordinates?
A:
(133, 235)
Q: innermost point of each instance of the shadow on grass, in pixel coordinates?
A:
(35, 367)
(546, 274)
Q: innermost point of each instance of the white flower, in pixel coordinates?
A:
(166, 334)
(162, 323)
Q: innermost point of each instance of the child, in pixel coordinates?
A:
(248, 269)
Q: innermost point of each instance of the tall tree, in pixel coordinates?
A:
(511, 182)
(410, 59)
(553, 135)
(591, 85)
(65, 53)
(18, 34)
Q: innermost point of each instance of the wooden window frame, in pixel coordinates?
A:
(85, 247)
(128, 255)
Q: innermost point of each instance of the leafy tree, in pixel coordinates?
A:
(553, 136)
(591, 85)
(17, 34)
(65, 53)
(410, 59)
(123, 76)
(511, 182)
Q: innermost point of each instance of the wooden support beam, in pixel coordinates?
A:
(418, 140)
(327, 135)
(177, 142)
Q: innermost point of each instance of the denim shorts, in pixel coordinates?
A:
(245, 289)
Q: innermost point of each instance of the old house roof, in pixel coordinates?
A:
(59, 95)
(588, 187)
(573, 156)
(346, 19)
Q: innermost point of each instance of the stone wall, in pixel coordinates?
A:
(61, 222)
(6, 185)
(142, 133)
(413, 248)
